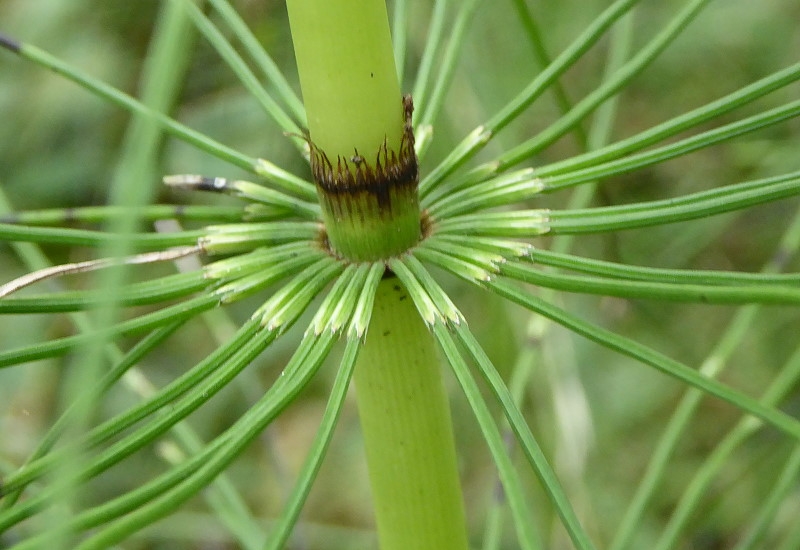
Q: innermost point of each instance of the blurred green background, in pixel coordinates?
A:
(59, 146)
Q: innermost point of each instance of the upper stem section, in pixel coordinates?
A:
(362, 145)
(347, 74)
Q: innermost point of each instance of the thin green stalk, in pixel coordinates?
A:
(729, 294)
(769, 509)
(131, 186)
(433, 297)
(713, 365)
(536, 41)
(431, 51)
(680, 148)
(603, 268)
(206, 376)
(688, 207)
(209, 377)
(102, 514)
(776, 418)
(113, 95)
(527, 530)
(714, 463)
(61, 346)
(635, 65)
(433, 105)
(400, 36)
(277, 539)
(405, 418)
(357, 285)
(483, 133)
(242, 71)
(97, 214)
(221, 452)
(278, 202)
(87, 237)
(371, 213)
(261, 58)
(126, 363)
(148, 292)
(530, 447)
(125, 368)
(672, 127)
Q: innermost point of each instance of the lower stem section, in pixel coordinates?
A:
(405, 418)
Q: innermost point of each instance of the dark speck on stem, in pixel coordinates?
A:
(9, 43)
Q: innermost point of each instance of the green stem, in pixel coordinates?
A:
(347, 74)
(362, 146)
(365, 170)
(406, 422)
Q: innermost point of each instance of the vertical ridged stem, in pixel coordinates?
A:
(365, 169)
(405, 418)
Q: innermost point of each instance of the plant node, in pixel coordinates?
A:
(370, 205)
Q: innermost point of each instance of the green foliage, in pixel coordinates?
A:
(638, 191)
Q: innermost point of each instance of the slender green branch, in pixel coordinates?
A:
(133, 379)
(148, 292)
(527, 532)
(533, 452)
(513, 224)
(126, 363)
(98, 214)
(482, 134)
(603, 268)
(431, 51)
(434, 103)
(635, 350)
(717, 294)
(400, 37)
(226, 361)
(714, 463)
(254, 192)
(301, 368)
(113, 95)
(261, 58)
(291, 511)
(503, 190)
(688, 207)
(611, 86)
(681, 123)
(435, 307)
(536, 40)
(683, 147)
(85, 237)
(206, 379)
(150, 321)
(713, 365)
(242, 71)
(769, 508)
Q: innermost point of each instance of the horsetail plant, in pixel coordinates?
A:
(368, 249)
